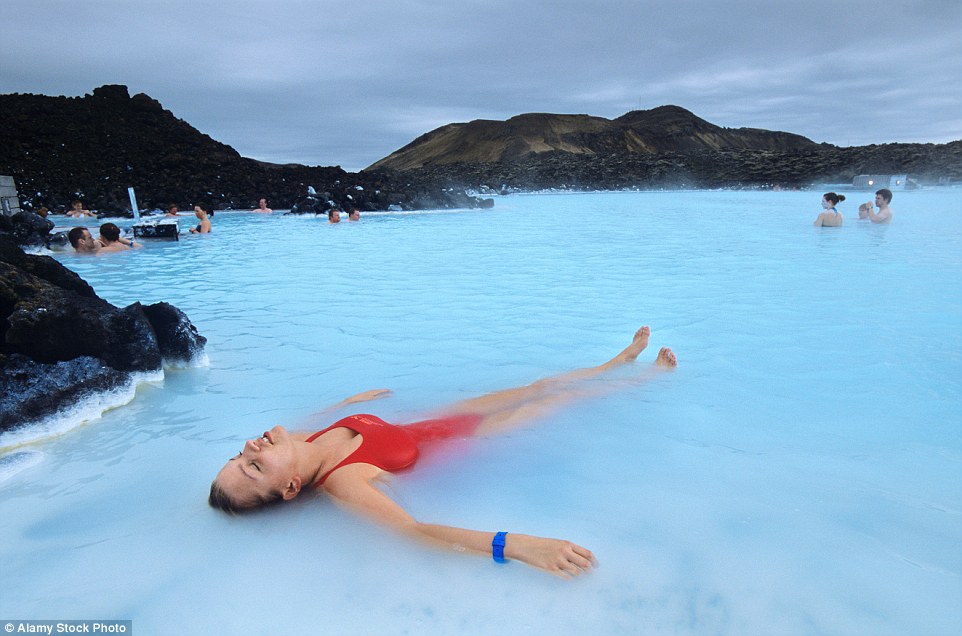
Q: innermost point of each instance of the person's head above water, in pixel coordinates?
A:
(886, 195)
(81, 239)
(832, 198)
(110, 232)
(334, 215)
(264, 472)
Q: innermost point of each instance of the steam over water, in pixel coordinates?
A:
(799, 473)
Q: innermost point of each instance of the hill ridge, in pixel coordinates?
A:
(662, 129)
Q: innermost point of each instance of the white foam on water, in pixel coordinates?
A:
(198, 361)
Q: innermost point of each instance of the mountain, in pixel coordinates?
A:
(94, 147)
(665, 147)
(660, 130)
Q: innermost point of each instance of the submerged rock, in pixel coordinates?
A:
(57, 337)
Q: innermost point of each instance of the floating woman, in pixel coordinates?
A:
(346, 459)
(830, 217)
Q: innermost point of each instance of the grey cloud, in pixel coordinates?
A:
(347, 82)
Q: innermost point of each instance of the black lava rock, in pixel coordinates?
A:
(177, 337)
(93, 148)
(31, 390)
(53, 325)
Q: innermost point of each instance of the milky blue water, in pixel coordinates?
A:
(799, 473)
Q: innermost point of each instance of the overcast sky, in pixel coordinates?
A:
(347, 82)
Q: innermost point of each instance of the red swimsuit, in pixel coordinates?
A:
(391, 447)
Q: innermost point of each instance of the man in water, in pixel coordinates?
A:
(83, 241)
(172, 210)
(354, 214)
(882, 199)
(262, 206)
(334, 215)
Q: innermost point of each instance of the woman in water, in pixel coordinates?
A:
(830, 217)
(347, 459)
(203, 213)
(77, 210)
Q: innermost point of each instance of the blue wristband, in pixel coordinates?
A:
(497, 547)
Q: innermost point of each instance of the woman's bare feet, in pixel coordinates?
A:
(666, 358)
(638, 344)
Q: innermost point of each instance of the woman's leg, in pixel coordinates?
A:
(562, 394)
(500, 400)
(510, 407)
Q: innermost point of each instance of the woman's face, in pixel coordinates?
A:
(265, 465)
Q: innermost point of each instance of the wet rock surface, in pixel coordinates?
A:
(33, 390)
(55, 329)
(177, 338)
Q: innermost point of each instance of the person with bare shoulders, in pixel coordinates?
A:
(83, 241)
(77, 210)
(262, 206)
(347, 459)
(112, 241)
(172, 210)
(882, 199)
(203, 213)
(333, 215)
(831, 217)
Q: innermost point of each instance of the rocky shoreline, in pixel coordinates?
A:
(93, 148)
(60, 343)
(927, 163)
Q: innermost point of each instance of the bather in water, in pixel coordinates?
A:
(346, 459)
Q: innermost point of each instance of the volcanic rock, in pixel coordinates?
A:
(93, 148)
(665, 129)
(53, 328)
(177, 338)
(33, 390)
(666, 147)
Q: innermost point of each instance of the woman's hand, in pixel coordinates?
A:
(561, 558)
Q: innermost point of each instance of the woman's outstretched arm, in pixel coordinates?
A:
(353, 487)
(363, 396)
